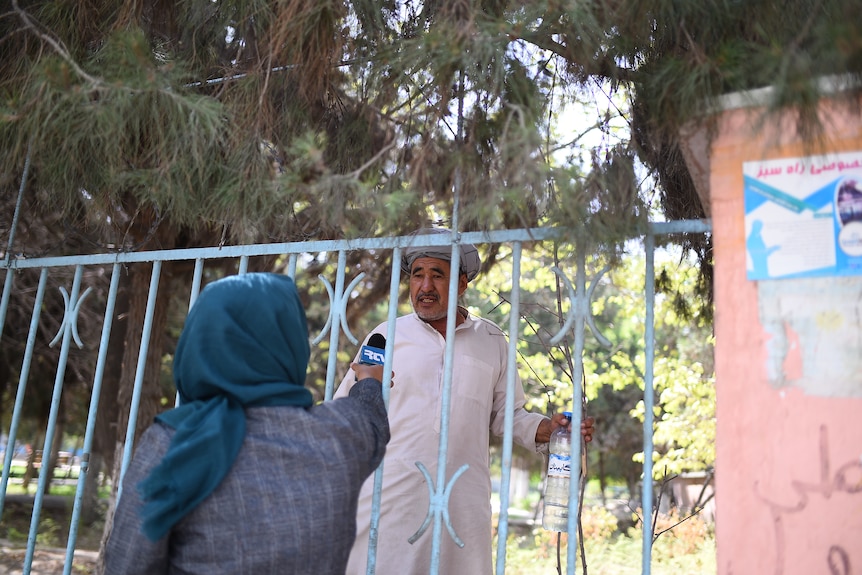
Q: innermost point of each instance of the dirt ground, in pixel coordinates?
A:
(48, 561)
(50, 555)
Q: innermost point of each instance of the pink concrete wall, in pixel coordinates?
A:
(789, 473)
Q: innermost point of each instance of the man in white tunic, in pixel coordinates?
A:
(477, 408)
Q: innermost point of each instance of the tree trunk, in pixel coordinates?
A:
(90, 498)
(101, 459)
(603, 482)
(107, 428)
(35, 453)
(49, 455)
(29, 471)
(519, 480)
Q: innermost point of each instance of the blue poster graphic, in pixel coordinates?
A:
(803, 216)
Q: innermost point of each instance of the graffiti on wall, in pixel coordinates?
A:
(817, 516)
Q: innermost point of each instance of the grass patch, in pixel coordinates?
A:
(66, 490)
(687, 547)
(536, 554)
(53, 530)
(55, 516)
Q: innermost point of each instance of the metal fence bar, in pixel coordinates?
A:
(494, 236)
(509, 417)
(17, 213)
(337, 310)
(139, 374)
(22, 385)
(196, 282)
(581, 304)
(4, 301)
(649, 400)
(91, 418)
(67, 331)
(394, 283)
(439, 502)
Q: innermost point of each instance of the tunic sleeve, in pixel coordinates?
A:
(525, 423)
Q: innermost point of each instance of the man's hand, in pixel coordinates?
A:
(548, 426)
(588, 427)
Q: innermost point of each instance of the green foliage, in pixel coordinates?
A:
(605, 203)
(535, 553)
(686, 428)
(613, 377)
(167, 106)
(683, 377)
(48, 533)
(128, 129)
(16, 536)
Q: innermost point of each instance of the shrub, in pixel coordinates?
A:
(677, 534)
(598, 522)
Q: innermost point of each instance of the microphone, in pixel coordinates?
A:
(373, 352)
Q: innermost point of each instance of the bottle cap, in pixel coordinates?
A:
(568, 415)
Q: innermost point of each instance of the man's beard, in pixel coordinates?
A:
(425, 315)
(429, 318)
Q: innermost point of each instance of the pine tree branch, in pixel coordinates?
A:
(358, 171)
(63, 53)
(600, 66)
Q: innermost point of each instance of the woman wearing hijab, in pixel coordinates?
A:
(246, 475)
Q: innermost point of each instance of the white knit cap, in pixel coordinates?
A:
(469, 261)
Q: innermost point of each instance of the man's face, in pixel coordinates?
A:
(429, 288)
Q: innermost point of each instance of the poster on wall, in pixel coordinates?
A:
(803, 216)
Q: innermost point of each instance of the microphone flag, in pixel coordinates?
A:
(373, 352)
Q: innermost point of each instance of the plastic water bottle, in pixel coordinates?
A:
(556, 506)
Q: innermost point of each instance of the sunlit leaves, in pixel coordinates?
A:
(614, 378)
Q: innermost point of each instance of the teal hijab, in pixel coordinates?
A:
(244, 344)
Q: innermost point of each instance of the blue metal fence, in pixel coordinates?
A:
(578, 319)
